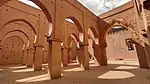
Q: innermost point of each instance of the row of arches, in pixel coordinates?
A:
(55, 38)
(56, 11)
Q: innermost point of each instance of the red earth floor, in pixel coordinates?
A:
(117, 72)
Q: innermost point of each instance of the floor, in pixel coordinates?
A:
(117, 72)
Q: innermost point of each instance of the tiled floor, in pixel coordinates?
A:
(117, 72)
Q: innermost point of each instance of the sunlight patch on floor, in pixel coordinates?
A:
(126, 62)
(116, 75)
(18, 67)
(74, 69)
(45, 64)
(94, 65)
(34, 78)
(24, 70)
(126, 67)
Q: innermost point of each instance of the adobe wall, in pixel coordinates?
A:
(124, 15)
(117, 48)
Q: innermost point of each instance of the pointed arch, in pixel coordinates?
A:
(22, 20)
(121, 23)
(18, 31)
(39, 3)
(77, 23)
(94, 32)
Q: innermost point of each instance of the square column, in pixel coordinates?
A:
(54, 58)
(25, 54)
(97, 54)
(69, 55)
(102, 50)
(78, 57)
(38, 58)
(65, 59)
(148, 32)
(84, 56)
(142, 56)
(147, 50)
(103, 56)
(30, 57)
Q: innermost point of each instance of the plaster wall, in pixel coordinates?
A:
(12, 53)
(116, 46)
(123, 15)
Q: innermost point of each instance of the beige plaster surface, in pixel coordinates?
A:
(117, 72)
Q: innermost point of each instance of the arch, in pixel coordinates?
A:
(93, 35)
(94, 32)
(71, 38)
(116, 26)
(38, 3)
(76, 37)
(121, 23)
(91, 39)
(24, 44)
(24, 38)
(77, 23)
(15, 20)
(44, 9)
(15, 36)
(18, 31)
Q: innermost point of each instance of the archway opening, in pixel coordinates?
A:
(120, 49)
(76, 24)
(73, 45)
(72, 34)
(92, 42)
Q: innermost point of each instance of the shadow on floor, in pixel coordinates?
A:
(74, 74)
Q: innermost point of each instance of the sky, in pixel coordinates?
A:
(96, 6)
(100, 6)
(29, 3)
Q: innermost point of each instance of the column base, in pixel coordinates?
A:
(38, 69)
(84, 56)
(23, 64)
(103, 57)
(86, 68)
(55, 77)
(29, 66)
(64, 52)
(30, 57)
(38, 57)
(65, 65)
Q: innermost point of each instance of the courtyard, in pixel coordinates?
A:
(117, 72)
(73, 42)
